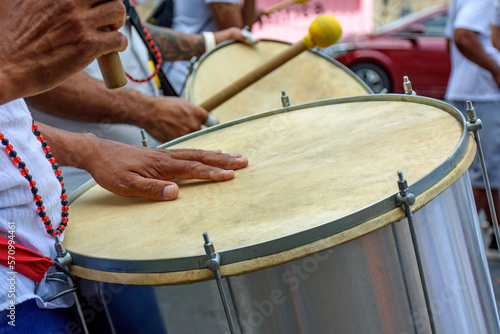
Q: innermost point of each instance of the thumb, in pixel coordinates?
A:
(157, 190)
(169, 190)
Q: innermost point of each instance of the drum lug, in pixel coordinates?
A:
(407, 86)
(63, 256)
(285, 101)
(192, 63)
(213, 263)
(474, 124)
(62, 260)
(190, 68)
(404, 196)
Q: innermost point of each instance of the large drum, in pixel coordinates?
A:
(308, 77)
(312, 236)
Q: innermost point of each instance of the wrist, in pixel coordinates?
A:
(80, 152)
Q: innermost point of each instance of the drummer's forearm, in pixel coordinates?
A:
(83, 98)
(227, 15)
(176, 45)
(249, 13)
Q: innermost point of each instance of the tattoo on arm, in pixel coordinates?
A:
(176, 45)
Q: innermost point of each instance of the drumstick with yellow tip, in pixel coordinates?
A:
(324, 31)
(111, 68)
(281, 5)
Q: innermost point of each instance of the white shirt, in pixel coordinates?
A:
(468, 80)
(17, 204)
(135, 62)
(194, 17)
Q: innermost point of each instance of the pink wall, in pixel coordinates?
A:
(291, 23)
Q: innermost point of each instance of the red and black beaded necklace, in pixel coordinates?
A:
(155, 52)
(34, 190)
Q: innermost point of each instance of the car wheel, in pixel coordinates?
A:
(373, 75)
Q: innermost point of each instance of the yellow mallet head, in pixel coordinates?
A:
(324, 31)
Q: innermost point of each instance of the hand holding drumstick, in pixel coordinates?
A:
(60, 42)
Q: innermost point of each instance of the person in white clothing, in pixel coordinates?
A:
(475, 76)
(33, 204)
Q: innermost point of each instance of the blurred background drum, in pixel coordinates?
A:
(312, 235)
(311, 76)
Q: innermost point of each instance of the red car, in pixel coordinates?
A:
(412, 46)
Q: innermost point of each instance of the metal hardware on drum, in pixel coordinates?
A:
(474, 124)
(406, 198)
(190, 67)
(407, 86)
(213, 263)
(145, 141)
(62, 261)
(284, 99)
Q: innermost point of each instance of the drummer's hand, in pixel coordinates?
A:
(167, 118)
(236, 34)
(135, 171)
(45, 42)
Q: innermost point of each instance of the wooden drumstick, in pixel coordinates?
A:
(281, 5)
(111, 68)
(324, 31)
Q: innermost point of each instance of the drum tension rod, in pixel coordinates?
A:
(406, 198)
(63, 260)
(190, 68)
(213, 263)
(474, 124)
(145, 141)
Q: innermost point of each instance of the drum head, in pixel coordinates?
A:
(319, 174)
(307, 77)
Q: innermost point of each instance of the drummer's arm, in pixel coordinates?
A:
(495, 37)
(83, 98)
(135, 171)
(469, 44)
(177, 45)
(227, 15)
(249, 13)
